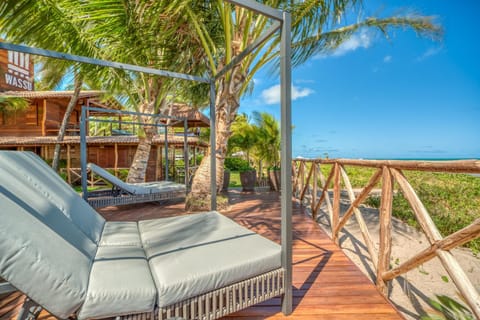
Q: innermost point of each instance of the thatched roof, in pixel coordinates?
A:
(51, 94)
(123, 140)
(94, 97)
(194, 117)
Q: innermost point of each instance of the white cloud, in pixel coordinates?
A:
(387, 59)
(363, 39)
(430, 52)
(272, 94)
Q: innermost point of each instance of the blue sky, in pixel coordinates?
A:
(406, 97)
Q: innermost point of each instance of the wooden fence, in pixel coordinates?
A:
(308, 181)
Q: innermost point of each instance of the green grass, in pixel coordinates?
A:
(453, 200)
(235, 179)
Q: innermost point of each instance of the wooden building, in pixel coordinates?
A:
(36, 129)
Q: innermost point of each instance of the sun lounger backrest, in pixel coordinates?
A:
(42, 253)
(33, 171)
(112, 179)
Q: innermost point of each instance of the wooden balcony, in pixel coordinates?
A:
(327, 284)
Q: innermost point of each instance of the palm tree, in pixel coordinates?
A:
(12, 104)
(147, 33)
(267, 130)
(317, 27)
(243, 136)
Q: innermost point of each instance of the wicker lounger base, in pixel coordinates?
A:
(105, 198)
(224, 301)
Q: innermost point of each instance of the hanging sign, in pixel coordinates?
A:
(16, 71)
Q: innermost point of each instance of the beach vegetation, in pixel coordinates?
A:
(447, 308)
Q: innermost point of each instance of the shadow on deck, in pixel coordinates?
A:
(327, 285)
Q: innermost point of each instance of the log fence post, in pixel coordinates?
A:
(385, 218)
(336, 199)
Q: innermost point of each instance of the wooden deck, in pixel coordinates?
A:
(327, 285)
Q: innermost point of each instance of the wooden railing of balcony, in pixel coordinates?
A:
(309, 182)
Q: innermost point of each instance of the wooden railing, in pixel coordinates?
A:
(309, 182)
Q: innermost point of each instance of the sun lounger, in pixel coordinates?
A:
(66, 258)
(129, 193)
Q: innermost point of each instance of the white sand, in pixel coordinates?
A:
(410, 292)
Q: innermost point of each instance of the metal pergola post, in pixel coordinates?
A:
(166, 152)
(213, 148)
(286, 159)
(83, 152)
(185, 151)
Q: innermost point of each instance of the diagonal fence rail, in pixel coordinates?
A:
(309, 181)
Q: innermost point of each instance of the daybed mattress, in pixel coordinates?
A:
(194, 254)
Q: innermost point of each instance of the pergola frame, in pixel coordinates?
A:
(85, 118)
(282, 22)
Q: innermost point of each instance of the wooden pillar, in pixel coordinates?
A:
(44, 117)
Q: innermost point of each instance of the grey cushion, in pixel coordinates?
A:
(137, 188)
(120, 233)
(158, 186)
(33, 171)
(120, 283)
(194, 254)
(43, 255)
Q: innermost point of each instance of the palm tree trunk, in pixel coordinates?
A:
(227, 103)
(138, 168)
(63, 127)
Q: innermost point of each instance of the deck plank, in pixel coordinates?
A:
(327, 284)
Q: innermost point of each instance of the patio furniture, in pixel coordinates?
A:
(67, 259)
(128, 193)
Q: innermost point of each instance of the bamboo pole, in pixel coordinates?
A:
(336, 199)
(454, 240)
(385, 247)
(307, 183)
(326, 196)
(358, 215)
(459, 166)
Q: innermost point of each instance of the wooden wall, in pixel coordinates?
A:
(26, 123)
(29, 123)
(54, 116)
